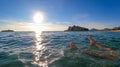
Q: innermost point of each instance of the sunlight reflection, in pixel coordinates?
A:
(38, 52)
(39, 47)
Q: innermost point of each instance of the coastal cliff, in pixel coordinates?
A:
(77, 28)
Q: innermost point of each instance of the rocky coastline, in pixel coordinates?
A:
(77, 28)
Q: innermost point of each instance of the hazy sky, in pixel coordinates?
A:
(59, 14)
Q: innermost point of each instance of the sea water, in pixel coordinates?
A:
(51, 49)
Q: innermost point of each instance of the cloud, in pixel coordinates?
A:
(97, 25)
(9, 22)
(13, 24)
(16, 26)
(49, 26)
(30, 26)
(55, 27)
(85, 20)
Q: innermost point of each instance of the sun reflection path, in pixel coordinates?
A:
(38, 52)
(38, 19)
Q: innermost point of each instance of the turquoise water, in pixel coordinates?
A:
(51, 49)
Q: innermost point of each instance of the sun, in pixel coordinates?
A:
(38, 17)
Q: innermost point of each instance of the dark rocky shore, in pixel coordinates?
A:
(7, 31)
(77, 28)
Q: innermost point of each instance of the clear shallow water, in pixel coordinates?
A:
(51, 49)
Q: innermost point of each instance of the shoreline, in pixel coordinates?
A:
(112, 31)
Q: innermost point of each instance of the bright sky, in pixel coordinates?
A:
(57, 15)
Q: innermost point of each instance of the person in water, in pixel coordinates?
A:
(92, 53)
(72, 46)
(99, 46)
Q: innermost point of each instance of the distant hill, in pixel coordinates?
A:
(93, 29)
(77, 28)
(106, 29)
(7, 31)
(116, 28)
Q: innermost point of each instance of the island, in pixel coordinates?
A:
(7, 31)
(94, 29)
(77, 28)
(115, 29)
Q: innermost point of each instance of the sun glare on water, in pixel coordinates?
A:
(38, 19)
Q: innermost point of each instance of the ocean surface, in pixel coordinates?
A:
(51, 49)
